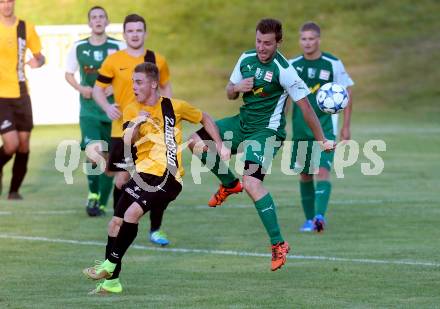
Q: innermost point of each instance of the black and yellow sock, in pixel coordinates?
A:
(108, 248)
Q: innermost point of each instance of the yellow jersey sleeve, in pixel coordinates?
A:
(106, 73)
(189, 112)
(32, 39)
(164, 71)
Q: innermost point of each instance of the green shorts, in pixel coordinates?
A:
(259, 147)
(307, 157)
(93, 130)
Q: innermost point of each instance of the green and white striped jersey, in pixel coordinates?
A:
(88, 59)
(273, 81)
(316, 73)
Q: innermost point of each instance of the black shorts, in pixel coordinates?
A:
(148, 191)
(16, 114)
(116, 160)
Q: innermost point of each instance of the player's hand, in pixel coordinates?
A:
(35, 63)
(245, 85)
(327, 145)
(108, 91)
(112, 111)
(223, 151)
(345, 134)
(143, 116)
(86, 92)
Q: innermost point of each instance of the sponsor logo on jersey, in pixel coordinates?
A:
(259, 92)
(98, 55)
(249, 67)
(315, 88)
(300, 69)
(258, 73)
(311, 72)
(87, 52)
(268, 76)
(324, 74)
(169, 140)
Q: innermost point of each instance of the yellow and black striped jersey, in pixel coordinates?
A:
(117, 70)
(11, 68)
(160, 137)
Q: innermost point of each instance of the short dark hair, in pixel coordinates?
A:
(310, 26)
(149, 69)
(96, 7)
(270, 25)
(133, 18)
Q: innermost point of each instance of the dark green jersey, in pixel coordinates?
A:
(88, 59)
(273, 81)
(316, 73)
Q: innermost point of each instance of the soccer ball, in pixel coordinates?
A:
(332, 98)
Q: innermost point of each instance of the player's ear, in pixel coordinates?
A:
(279, 43)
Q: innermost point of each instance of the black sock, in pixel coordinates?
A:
(156, 215)
(108, 248)
(4, 158)
(126, 236)
(117, 193)
(19, 170)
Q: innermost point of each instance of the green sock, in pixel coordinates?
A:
(267, 211)
(93, 181)
(322, 196)
(219, 169)
(105, 188)
(307, 190)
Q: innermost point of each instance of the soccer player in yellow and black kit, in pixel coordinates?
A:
(16, 123)
(154, 125)
(116, 71)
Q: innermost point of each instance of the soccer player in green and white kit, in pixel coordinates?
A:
(266, 79)
(316, 68)
(88, 55)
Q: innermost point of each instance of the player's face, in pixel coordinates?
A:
(266, 46)
(309, 42)
(7, 8)
(135, 35)
(97, 21)
(143, 86)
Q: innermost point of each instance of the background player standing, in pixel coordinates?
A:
(87, 55)
(316, 68)
(16, 122)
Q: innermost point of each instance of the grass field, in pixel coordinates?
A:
(380, 250)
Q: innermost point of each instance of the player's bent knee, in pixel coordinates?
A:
(114, 225)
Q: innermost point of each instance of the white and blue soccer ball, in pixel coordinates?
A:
(332, 98)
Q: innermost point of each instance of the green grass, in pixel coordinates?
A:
(391, 50)
(391, 217)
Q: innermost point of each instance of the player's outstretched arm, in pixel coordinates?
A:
(100, 98)
(212, 129)
(313, 122)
